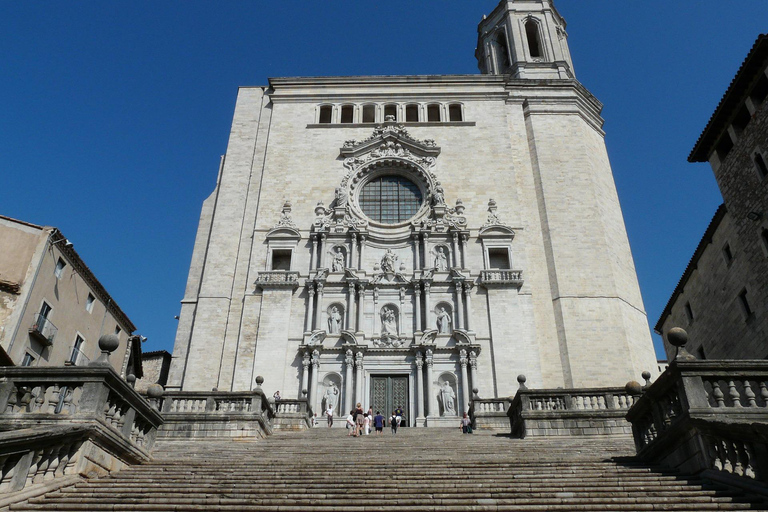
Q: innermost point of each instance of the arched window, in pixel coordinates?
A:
(762, 170)
(534, 43)
(390, 199)
(369, 113)
(326, 112)
(347, 113)
(502, 51)
(390, 110)
(454, 112)
(433, 113)
(412, 113)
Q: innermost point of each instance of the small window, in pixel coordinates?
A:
(688, 312)
(454, 112)
(700, 352)
(724, 147)
(741, 120)
(762, 170)
(347, 114)
(764, 241)
(498, 259)
(390, 110)
(118, 330)
(89, 302)
(369, 113)
(727, 254)
(433, 113)
(412, 113)
(746, 309)
(59, 268)
(73, 358)
(281, 260)
(532, 33)
(28, 359)
(760, 91)
(326, 112)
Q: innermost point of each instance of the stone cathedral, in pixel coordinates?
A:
(403, 240)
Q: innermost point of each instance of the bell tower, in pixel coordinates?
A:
(525, 39)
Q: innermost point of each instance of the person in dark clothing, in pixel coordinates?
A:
(378, 423)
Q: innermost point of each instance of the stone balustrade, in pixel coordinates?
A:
(501, 278)
(84, 420)
(277, 279)
(489, 413)
(707, 417)
(293, 414)
(569, 412)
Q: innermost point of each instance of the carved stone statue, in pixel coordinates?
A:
(341, 197)
(337, 265)
(448, 397)
(389, 262)
(334, 321)
(388, 321)
(441, 260)
(438, 198)
(443, 321)
(331, 396)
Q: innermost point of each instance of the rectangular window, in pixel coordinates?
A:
(412, 113)
(369, 113)
(76, 350)
(59, 268)
(326, 111)
(760, 167)
(28, 360)
(498, 259)
(688, 312)
(433, 113)
(700, 352)
(727, 254)
(89, 302)
(454, 112)
(281, 260)
(390, 110)
(347, 114)
(118, 330)
(746, 310)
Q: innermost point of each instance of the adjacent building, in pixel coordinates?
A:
(52, 308)
(401, 240)
(722, 297)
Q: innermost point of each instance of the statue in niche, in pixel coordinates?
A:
(389, 262)
(388, 321)
(448, 397)
(438, 197)
(341, 197)
(334, 320)
(443, 321)
(331, 396)
(337, 265)
(441, 259)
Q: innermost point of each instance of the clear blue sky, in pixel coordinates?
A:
(114, 114)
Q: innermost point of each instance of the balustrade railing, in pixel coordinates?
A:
(277, 279)
(501, 277)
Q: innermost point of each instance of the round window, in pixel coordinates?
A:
(390, 199)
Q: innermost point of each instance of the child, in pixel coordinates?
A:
(351, 424)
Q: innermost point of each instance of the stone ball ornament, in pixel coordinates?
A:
(155, 391)
(259, 380)
(521, 381)
(634, 388)
(108, 343)
(677, 337)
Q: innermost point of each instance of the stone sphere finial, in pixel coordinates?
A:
(677, 337)
(647, 378)
(108, 343)
(521, 381)
(259, 381)
(304, 392)
(155, 391)
(634, 388)
(131, 379)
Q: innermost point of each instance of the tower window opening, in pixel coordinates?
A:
(762, 170)
(502, 52)
(454, 112)
(534, 44)
(433, 113)
(412, 113)
(390, 110)
(498, 259)
(347, 114)
(369, 113)
(326, 112)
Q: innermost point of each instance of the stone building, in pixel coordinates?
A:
(52, 308)
(401, 240)
(722, 297)
(155, 366)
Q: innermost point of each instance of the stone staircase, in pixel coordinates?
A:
(415, 470)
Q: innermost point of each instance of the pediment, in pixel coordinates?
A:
(496, 231)
(390, 139)
(284, 233)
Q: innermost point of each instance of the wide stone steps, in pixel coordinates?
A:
(416, 470)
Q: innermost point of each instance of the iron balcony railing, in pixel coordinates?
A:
(43, 330)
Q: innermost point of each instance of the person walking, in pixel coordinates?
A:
(466, 425)
(359, 422)
(329, 416)
(399, 415)
(366, 424)
(393, 423)
(351, 423)
(378, 423)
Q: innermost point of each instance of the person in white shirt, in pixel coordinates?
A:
(367, 424)
(329, 416)
(351, 424)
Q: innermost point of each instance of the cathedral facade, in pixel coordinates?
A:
(399, 241)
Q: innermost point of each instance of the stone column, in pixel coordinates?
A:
(313, 254)
(419, 386)
(319, 305)
(360, 306)
(323, 250)
(473, 368)
(315, 381)
(310, 307)
(459, 304)
(375, 311)
(401, 315)
(353, 258)
(359, 383)
(431, 407)
(417, 249)
(362, 252)
(349, 400)
(468, 298)
(425, 250)
(350, 305)
(417, 307)
(464, 241)
(305, 372)
(427, 307)
(464, 380)
(455, 249)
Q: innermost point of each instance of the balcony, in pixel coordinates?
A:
(501, 278)
(43, 330)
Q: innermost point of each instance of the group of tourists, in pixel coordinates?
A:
(361, 423)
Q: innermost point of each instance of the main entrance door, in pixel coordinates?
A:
(388, 392)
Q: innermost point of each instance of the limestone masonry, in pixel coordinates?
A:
(401, 240)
